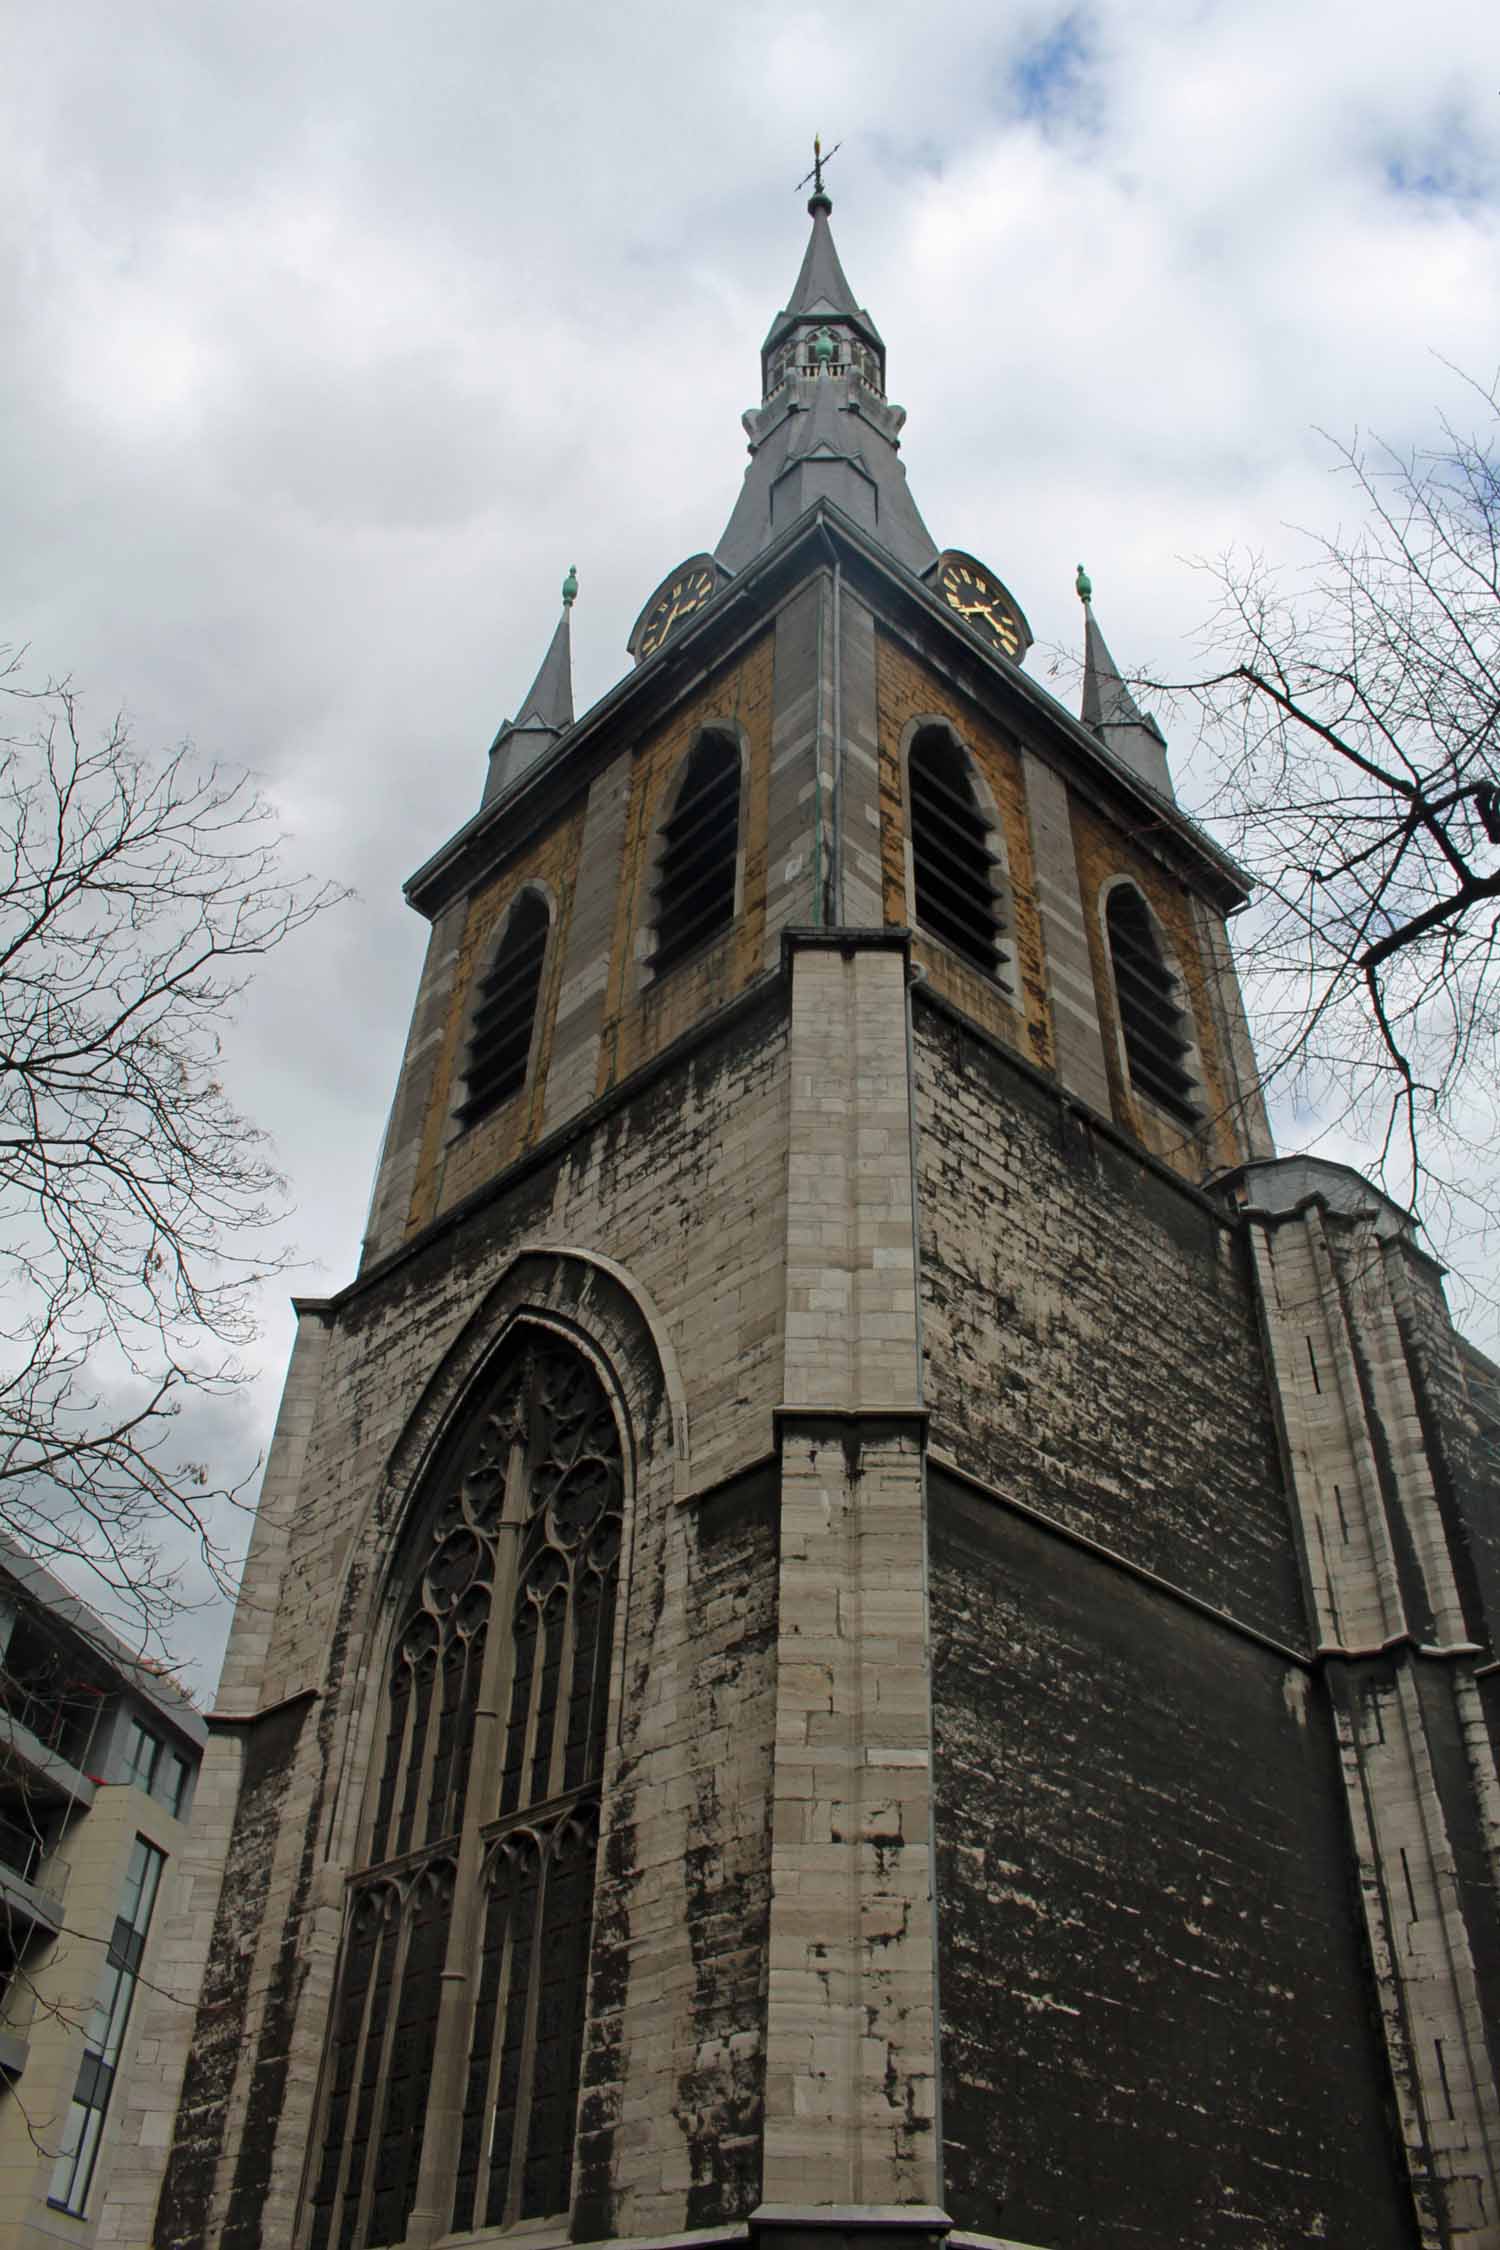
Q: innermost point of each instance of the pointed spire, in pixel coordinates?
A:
(546, 710)
(1109, 708)
(825, 429)
(822, 291)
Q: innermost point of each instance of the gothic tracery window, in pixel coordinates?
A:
(451, 2079)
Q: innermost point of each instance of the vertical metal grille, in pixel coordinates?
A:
(694, 896)
(1153, 1025)
(952, 861)
(505, 1013)
(483, 1829)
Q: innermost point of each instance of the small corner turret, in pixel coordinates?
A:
(546, 711)
(1110, 710)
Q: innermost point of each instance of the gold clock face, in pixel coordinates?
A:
(678, 599)
(984, 605)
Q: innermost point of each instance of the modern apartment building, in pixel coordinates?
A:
(98, 1754)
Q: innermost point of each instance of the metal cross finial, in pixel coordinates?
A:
(819, 160)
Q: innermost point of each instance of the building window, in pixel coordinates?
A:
(953, 861)
(699, 846)
(505, 1012)
(466, 1948)
(104, 2036)
(1153, 1024)
(154, 1767)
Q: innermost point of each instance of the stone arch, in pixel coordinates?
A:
(561, 1297)
(598, 1306)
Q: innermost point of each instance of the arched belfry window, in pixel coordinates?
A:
(1153, 1024)
(698, 852)
(953, 860)
(505, 1012)
(451, 2078)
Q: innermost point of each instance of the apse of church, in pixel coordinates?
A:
(867, 1618)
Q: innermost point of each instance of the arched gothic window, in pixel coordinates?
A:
(953, 862)
(1158, 1040)
(695, 872)
(505, 1012)
(451, 2077)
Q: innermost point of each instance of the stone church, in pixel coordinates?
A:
(869, 1623)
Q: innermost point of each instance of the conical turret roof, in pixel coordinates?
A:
(546, 710)
(1110, 709)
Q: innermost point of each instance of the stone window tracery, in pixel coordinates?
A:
(451, 2077)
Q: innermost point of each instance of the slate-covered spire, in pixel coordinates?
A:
(1111, 710)
(824, 428)
(546, 710)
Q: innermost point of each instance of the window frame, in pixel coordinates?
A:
(1186, 1120)
(107, 2030)
(732, 735)
(1003, 977)
(543, 1818)
(460, 1122)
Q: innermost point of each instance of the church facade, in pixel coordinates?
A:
(868, 1620)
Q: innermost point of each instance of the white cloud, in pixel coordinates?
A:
(337, 334)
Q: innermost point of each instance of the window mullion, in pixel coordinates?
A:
(450, 2060)
(394, 1984)
(516, 2186)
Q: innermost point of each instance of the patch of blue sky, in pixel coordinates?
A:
(1048, 81)
(1450, 167)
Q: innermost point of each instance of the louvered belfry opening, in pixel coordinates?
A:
(694, 896)
(505, 1013)
(952, 859)
(456, 2036)
(1155, 1028)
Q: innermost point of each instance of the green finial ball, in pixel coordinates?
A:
(1084, 584)
(822, 347)
(570, 586)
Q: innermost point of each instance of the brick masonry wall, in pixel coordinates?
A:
(1090, 1335)
(1156, 2017)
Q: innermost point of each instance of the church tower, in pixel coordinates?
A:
(868, 1622)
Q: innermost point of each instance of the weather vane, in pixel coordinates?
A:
(819, 160)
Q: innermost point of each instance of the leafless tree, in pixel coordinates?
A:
(135, 895)
(1355, 727)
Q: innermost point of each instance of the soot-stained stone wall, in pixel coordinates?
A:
(1090, 1334)
(682, 1186)
(268, 1764)
(1157, 2027)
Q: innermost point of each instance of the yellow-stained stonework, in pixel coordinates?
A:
(450, 1169)
(906, 691)
(641, 1017)
(1104, 851)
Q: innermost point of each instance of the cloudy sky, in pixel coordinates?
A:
(336, 334)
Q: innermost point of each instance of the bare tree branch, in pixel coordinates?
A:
(1353, 716)
(135, 897)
